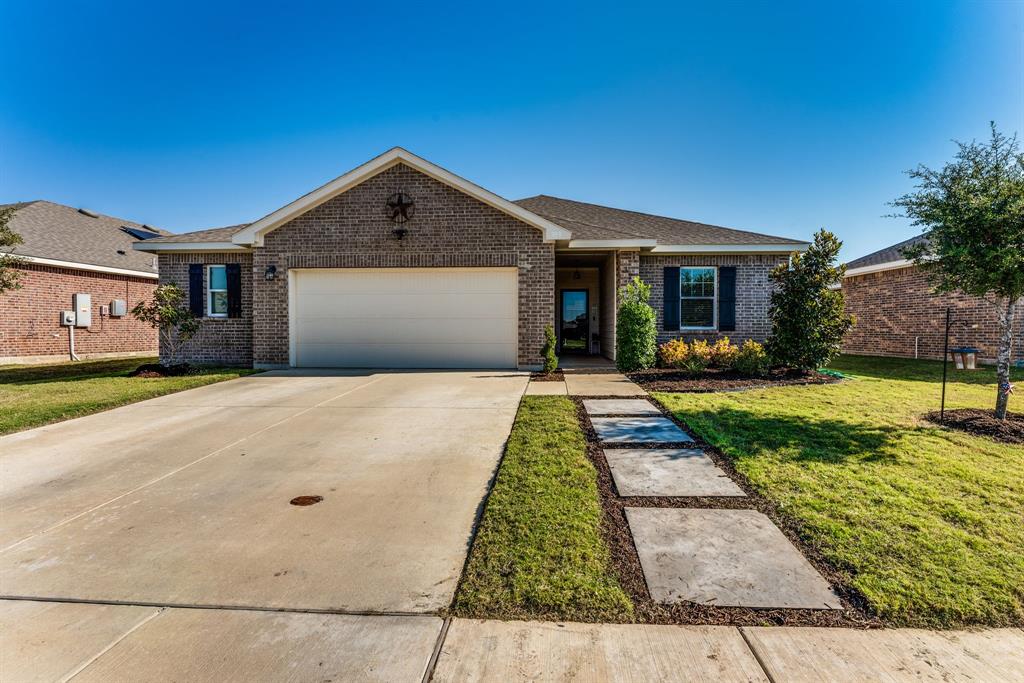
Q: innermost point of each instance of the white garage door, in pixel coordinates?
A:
(404, 317)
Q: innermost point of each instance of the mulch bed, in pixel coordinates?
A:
(670, 379)
(158, 370)
(983, 423)
(556, 376)
(626, 562)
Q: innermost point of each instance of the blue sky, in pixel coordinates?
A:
(774, 117)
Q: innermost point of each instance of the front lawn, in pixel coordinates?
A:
(927, 523)
(538, 551)
(34, 395)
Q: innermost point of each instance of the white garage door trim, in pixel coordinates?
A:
(294, 308)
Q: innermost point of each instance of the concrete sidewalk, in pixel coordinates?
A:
(57, 641)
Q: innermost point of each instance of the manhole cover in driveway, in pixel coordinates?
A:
(302, 501)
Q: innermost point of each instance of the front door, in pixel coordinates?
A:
(574, 321)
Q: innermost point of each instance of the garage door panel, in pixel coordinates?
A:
(405, 318)
(400, 330)
(427, 304)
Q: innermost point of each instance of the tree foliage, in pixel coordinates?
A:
(635, 330)
(168, 313)
(807, 316)
(972, 214)
(9, 276)
(548, 350)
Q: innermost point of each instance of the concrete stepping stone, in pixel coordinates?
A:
(730, 558)
(668, 472)
(638, 430)
(622, 406)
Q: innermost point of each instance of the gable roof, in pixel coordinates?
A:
(56, 234)
(590, 222)
(888, 255)
(253, 233)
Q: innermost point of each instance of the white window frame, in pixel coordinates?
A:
(714, 299)
(210, 290)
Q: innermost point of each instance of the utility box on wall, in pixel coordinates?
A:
(118, 308)
(83, 310)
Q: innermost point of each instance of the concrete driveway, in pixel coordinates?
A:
(183, 500)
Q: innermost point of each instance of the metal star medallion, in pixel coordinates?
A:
(400, 207)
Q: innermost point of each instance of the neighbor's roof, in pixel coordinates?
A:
(64, 233)
(893, 254)
(595, 222)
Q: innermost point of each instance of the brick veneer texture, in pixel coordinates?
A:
(897, 315)
(30, 324)
(753, 292)
(220, 341)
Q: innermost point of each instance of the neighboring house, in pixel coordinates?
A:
(899, 315)
(69, 251)
(400, 263)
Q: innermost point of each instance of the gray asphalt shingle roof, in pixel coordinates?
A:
(211, 235)
(592, 221)
(63, 233)
(887, 255)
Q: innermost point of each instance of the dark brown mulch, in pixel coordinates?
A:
(983, 423)
(670, 379)
(158, 370)
(555, 376)
(626, 562)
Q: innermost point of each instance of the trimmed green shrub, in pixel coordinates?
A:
(635, 332)
(548, 350)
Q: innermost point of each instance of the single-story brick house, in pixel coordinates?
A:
(68, 252)
(899, 315)
(400, 263)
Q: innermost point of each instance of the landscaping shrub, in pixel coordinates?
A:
(635, 332)
(723, 354)
(548, 350)
(808, 321)
(673, 352)
(751, 359)
(698, 357)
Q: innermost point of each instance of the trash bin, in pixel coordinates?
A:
(965, 357)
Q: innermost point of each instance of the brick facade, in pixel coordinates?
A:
(753, 292)
(220, 341)
(30, 328)
(449, 229)
(897, 315)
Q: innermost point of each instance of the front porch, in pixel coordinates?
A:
(585, 285)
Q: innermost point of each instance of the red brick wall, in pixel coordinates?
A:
(450, 229)
(30, 321)
(753, 292)
(896, 308)
(220, 341)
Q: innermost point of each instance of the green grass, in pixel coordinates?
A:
(538, 551)
(34, 395)
(928, 523)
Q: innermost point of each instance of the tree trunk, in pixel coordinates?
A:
(1003, 359)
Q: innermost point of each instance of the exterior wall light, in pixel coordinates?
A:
(270, 273)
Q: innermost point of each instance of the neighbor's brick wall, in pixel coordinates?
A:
(895, 308)
(220, 341)
(30, 323)
(449, 229)
(753, 292)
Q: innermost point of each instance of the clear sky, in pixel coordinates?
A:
(775, 117)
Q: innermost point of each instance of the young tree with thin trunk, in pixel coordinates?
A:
(9, 276)
(972, 212)
(168, 313)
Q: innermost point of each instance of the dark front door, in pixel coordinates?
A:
(574, 321)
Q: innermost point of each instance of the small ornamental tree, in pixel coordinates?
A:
(808, 321)
(635, 331)
(9, 277)
(972, 212)
(169, 314)
(548, 350)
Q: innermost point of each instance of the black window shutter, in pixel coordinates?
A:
(670, 317)
(727, 299)
(234, 276)
(195, 288)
